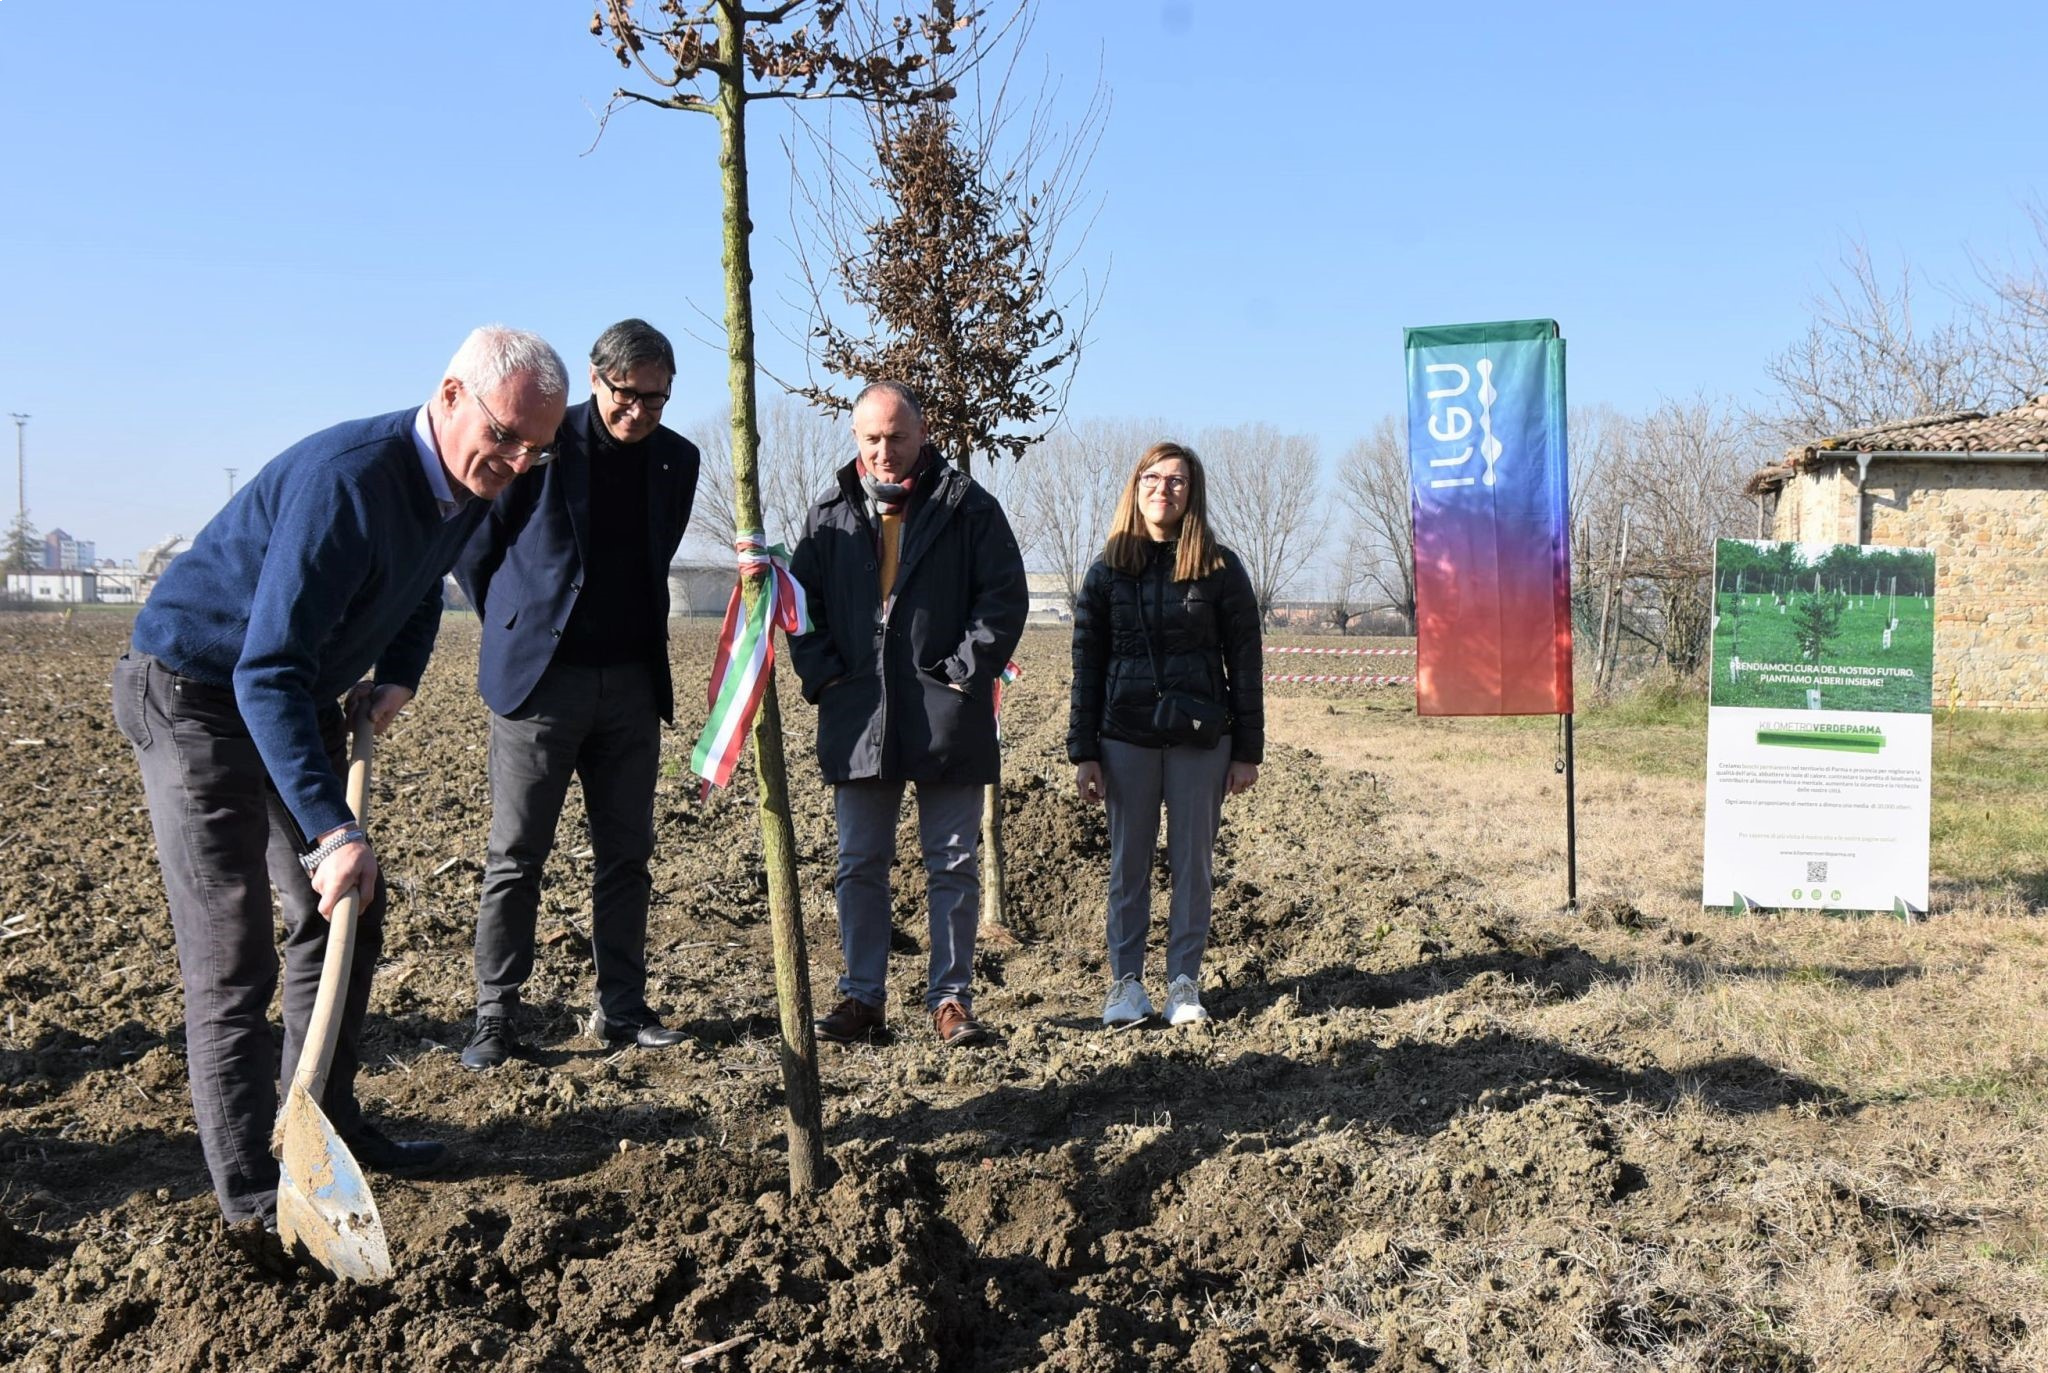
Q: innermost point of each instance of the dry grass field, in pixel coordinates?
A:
(1926, 1044)
(1437, 1123)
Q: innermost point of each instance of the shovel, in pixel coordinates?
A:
(323, 1201)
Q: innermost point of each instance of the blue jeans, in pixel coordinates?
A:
(948, 828)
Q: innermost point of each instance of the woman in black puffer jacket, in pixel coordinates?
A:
(1165, 610)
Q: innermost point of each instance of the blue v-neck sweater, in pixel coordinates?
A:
(325, 565)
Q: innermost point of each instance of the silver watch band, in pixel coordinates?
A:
(312, 858)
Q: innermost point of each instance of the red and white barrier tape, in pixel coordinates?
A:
(1348, 652)
(1358, 679)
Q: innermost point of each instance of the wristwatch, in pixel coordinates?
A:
(312, 858)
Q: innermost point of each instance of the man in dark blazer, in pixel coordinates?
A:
(917, 599)
(570, 579)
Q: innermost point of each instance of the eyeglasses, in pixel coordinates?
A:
(628, 397)
(1152, 481)
(508, 443)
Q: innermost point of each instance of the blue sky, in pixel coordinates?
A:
(221, 235)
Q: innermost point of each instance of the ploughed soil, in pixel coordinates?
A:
(1288, 1187)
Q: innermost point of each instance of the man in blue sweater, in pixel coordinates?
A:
(325, 566)
(570, 578)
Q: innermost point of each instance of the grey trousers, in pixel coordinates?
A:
(599, 725)
(948, 829)
(223, 839)
(1190, 782)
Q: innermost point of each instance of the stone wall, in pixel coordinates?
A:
(1988, 526)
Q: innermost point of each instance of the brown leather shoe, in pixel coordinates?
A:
(955, 1028)
(852, 1021)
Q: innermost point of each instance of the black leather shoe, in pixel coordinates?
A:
(375, 1149)
(648, 1032)
(492, 1043)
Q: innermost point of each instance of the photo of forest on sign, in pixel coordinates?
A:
(1823, 626)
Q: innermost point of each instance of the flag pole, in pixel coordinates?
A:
(1571, 822)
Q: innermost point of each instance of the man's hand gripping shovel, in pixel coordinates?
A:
(324, 1204)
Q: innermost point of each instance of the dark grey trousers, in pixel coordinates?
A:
(948, 829)
(223, 838)
(1136, 781)
(601, 726)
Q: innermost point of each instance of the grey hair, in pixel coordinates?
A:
(629, 343)
(493, 354)
(892, 388)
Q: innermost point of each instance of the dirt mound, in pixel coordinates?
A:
(1361, 1162)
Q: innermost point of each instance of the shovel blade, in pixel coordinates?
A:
(324, 1204)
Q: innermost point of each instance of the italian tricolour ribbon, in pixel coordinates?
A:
(746, 654)
(1010, 673)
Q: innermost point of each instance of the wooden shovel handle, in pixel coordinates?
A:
(323, 1028)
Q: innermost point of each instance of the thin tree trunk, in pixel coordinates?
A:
(802, 1098)
(995, 885)
(995, 888)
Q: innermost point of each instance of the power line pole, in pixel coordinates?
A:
(20, 461)
(20, 489)
(231, 479)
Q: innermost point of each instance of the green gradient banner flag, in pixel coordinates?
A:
(1488, 472)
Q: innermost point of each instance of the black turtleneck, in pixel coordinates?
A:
(616, 619)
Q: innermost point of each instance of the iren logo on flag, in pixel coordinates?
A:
(1487, 462)
(1456, 420)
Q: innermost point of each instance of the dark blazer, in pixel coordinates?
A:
(523, 569)
(1206, 636)
(910, 697)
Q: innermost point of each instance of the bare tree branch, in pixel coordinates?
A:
(1865, 360)
(1372, 483)
(1265, 501)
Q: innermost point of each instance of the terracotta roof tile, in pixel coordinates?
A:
(2022, 429)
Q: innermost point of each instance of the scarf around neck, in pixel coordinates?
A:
(893, 498)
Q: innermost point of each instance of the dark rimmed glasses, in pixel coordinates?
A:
(508, 443)
(628, 397)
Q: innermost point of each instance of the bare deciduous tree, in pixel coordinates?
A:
(1350, 587)
(1067, 491)
(2013, 322)
(1865, 360)
(1372, 482)
(1598, 437)
(712, 519)
(797, 50)
(800, 449)
(1265, 498)
(1684, 470)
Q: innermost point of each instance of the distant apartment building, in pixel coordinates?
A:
(62, 553)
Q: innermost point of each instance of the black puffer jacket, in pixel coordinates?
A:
(1207, 633)
(909, 698)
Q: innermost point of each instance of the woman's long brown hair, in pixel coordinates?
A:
(1129, 546)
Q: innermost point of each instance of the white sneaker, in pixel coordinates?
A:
(1184, 1002)
(1127, 1004)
